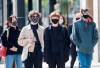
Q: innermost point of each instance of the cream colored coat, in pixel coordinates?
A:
(28, 33)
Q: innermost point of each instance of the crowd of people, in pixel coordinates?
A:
(54, 43)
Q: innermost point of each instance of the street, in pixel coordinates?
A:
(94, 65)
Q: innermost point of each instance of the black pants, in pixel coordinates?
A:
(34, 59)
(73, 55)
(56, 61)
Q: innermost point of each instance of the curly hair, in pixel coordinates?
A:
(32, 12)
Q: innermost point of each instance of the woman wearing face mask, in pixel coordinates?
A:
(9, 40)
(73, 52)
(62, 20)
(32, 36)
(56, 43)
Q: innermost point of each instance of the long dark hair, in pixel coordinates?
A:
(10, 20)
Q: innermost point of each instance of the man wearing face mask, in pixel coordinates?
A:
(56, 43)
(32, 36)
(85, 36)
(9, 40)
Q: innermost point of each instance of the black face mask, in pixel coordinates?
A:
(86, 16)
(55, 21)
(77, 18)
(14, 23)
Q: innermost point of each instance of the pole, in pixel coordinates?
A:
(51, 5)
(9, 8)
(29, 5)
(21, 13)
(39, 8)
(2, 14)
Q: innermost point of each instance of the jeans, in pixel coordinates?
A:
(84, 59)
(10, 59)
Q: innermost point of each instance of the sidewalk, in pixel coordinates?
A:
(94, 65)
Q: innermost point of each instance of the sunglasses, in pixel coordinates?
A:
(77, 18)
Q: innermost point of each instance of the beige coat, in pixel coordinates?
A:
(28, 33)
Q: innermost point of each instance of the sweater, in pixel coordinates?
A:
(84, 36)
(12, 41)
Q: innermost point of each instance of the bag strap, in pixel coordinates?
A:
(36, 35)
(7, 33)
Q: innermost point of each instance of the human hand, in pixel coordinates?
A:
(30, 40)
(13, 49)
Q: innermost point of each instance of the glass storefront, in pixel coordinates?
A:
(69, 8)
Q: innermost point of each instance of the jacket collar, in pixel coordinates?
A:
(50, 27)
(29, 27)
(13, 28)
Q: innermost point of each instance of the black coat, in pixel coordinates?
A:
(12, 40)
(73, 46)
(63, 43)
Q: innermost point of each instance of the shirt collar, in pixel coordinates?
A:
(29, 27)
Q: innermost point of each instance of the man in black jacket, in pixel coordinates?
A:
(56, 43)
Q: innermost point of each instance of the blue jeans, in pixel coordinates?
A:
(10, 59)
(85, 60)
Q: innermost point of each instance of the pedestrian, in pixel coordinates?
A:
(73, 51)
(32, 35)
(56, 43)
(9, 40)
(85, 36)
(62, 19)
(7, 27)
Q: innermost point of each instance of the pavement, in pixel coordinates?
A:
(94, 64)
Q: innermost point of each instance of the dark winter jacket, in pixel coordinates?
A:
(63, 44)
(12, 40)
(72, 45)
(70, 31)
